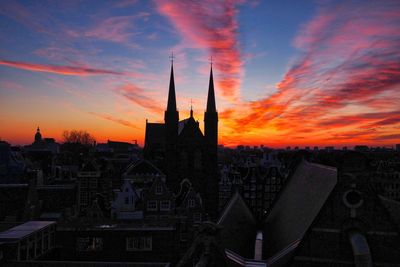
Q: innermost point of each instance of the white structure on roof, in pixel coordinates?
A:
(124, 206)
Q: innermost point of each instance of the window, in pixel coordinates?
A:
(159, 189)
(165, 205)
(139, 243)
(84, 198)
(89, 244)
(83, 183)
(191, 203)
(197, 217)
(126, 200)
(152, 205)
(93, 183)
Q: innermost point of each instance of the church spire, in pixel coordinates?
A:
(171, 93)
(211, 95)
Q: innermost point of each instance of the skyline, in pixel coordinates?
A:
(285, 75)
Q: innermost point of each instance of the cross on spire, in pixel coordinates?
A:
(211, 61)
(172, 57)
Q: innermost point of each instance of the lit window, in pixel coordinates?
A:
(152, 205)
(139, 243)
(165, 205)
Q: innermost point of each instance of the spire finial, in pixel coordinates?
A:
(38, 129)
(211, 61)
(172, 57)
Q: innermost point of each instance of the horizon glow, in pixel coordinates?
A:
(286, 73)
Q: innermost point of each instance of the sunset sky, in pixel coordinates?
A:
(286, 72)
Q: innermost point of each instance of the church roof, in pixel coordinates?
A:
(181, 125)
(190, 128)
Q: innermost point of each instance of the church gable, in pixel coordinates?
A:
(191, 132)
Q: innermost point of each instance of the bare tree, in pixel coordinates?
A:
(78, 136)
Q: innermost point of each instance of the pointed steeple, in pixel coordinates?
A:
(211, 95)
(171, 93)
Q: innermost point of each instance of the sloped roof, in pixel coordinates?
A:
(181, 125)
(296, 207)
(238, 227)
(143, 167)
(393, 208)
(190, 128)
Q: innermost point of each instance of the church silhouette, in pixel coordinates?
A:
(183, 151)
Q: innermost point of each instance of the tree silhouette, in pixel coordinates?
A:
(78, 136)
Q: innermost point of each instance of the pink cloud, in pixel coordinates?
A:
(116, 29)
(138, 96)
(63, 70)
(211, 25)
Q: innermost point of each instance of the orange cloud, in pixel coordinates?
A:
(344, 88)
(211, 25)
(113, 119)
(63, 70)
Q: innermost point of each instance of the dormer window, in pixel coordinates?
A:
(191, 203)
(159, 189)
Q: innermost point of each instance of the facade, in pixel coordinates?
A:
(134, 242)
(183, 151)
(93, 184)
(158, 202)
(28, 241)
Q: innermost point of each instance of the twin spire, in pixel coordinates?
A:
(171, 93)
(171, 106)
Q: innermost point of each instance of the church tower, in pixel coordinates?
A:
(211, 117)
(211, 139)
(171, 119)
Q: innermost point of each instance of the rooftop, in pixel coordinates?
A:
(23, 230)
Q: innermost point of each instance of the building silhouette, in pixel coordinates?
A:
(181, 149)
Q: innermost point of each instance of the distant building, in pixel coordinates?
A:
(329, 148)
(43, 144)
(361, 148)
